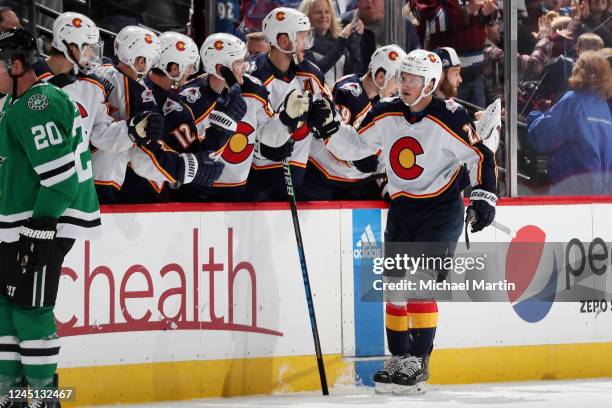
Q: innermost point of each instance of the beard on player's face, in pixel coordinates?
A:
(448, 89)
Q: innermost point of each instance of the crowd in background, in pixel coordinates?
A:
(563, 83)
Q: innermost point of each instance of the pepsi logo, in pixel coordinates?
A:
(532, 266)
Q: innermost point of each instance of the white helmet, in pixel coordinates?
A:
(133, 42)
(388, 58)
(179, 49)
(425, 64)
(222, 49)
(75, 28)
(284, 20)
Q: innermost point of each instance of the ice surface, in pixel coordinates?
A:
(541, 394)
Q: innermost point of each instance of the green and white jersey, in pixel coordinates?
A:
(45, 166)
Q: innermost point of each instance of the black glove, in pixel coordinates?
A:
(230, 109)
(277, 154)
(146, 127)
(366, 165)
(481, 211)
(322, 118)
(199, 169)
(36, 246)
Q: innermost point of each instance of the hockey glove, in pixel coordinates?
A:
(366, 165)
(322, 118)
(231, 108)
(481, 211)
(146, 127)
(199, 169)
(36, 246)
(296, 107)
(277, 154)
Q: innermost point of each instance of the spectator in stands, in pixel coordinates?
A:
(8, 19)
(372, 13)
(257, 44)
(588, 42)
(595, 17)
(335, 51)
(460, 25)
(494, 62)
(528, 22)
(576, 131)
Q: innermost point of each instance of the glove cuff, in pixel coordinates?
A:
(222, 121)
(40, 228)
(483, 195)
(190, 167)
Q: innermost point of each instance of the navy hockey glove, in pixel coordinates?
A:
(146, 127)
(366, 165)
(481, 211)
(322, 118)
(295, 109)
(230, 109)
(277, 154)
(36, 245)
(199, 169)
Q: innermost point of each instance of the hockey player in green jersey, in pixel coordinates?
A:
(47, 200)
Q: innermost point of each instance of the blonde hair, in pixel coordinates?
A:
(560, 23)
(256, 36)
(334, 27)
(592, 73)
(589, 41)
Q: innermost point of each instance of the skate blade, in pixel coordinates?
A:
(383, 388)
(418, 388)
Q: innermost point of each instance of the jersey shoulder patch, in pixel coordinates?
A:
(192, 93)
(171, 105)
(457, 119)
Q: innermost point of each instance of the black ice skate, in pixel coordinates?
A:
(383, 379)
(411, 379)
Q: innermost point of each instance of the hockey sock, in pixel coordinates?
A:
(39, 345)
(396, 323)
(422, 323)
(10, 362)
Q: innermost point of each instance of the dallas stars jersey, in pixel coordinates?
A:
(423, 152)
(45, 166)
(352, 104)
(89, 93)
(302, 77)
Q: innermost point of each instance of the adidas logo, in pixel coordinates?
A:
(367, 246)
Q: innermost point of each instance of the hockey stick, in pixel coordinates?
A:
(300, 246)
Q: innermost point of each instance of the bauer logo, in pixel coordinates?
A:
(532, 265)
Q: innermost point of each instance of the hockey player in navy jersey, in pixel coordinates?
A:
(225, 67)
(424, 141)
(289, 82)
(178, 59)
(329, 178)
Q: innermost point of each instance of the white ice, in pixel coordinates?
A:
(541, 394)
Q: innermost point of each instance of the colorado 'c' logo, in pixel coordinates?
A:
(403, 157)
(77, 22)
(433, 58)
(238, 148)
(148, 39)
(218, 45)
(393, 55)
(280, 16)
(180, 45)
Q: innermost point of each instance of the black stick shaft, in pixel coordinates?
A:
(300, 245)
